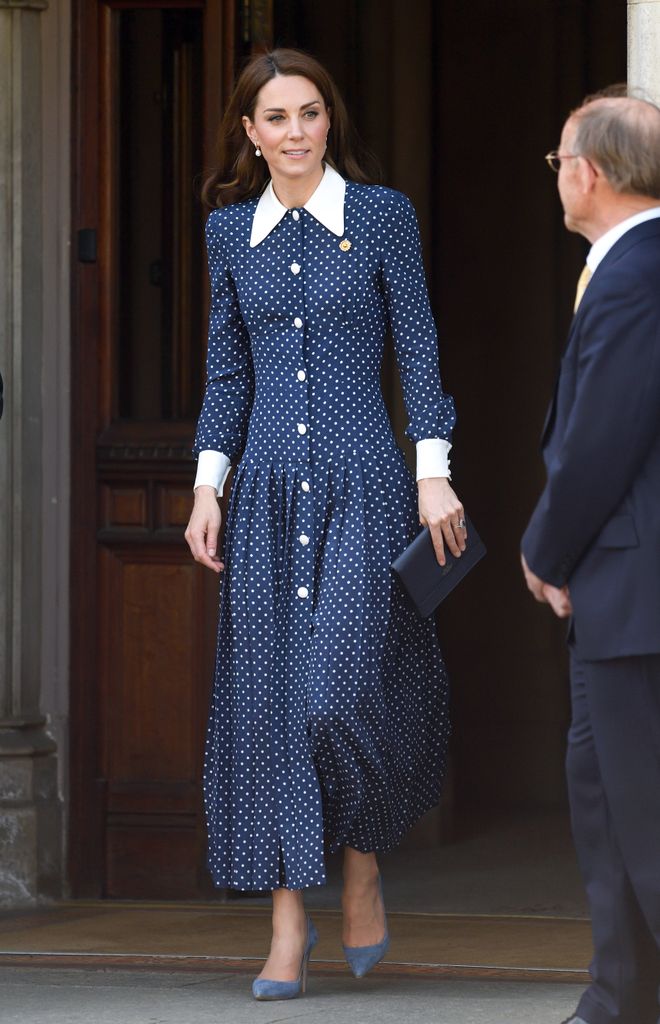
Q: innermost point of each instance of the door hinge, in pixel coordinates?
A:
(87, 245)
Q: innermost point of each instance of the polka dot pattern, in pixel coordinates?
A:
(329, 721)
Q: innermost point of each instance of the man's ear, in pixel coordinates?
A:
(589, 174)
(592, 173)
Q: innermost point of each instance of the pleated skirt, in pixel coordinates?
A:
(329, 720)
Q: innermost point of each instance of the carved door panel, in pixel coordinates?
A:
(150, 80)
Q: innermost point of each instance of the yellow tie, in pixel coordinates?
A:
(583, 281)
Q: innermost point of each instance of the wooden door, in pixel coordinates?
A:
(150, 79)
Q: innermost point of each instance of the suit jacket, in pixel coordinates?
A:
(596, 526)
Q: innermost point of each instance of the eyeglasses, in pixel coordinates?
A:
(554, 159)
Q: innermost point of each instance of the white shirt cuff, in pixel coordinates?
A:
(212, 470)
(433, 458)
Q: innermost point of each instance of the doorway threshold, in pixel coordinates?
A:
(216, 937)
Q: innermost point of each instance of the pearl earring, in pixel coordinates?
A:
(257, 151)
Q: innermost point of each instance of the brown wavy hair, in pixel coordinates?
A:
(239, 174)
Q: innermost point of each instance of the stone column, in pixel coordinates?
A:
(644, 47)
(30, 831)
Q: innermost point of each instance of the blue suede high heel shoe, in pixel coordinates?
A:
(263, 988)
(361, 959)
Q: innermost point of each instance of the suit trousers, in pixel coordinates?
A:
(613, 768)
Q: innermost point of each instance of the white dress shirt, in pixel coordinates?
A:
(326, 205)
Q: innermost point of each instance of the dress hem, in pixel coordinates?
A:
(333, 846)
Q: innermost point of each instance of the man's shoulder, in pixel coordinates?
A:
(632, 266)
(637, 246)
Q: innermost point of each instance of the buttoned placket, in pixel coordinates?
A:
(304, 550)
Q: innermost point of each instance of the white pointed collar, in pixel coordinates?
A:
(326, 204)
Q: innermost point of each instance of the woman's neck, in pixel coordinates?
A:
(296, 191)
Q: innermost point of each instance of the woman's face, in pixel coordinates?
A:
(291, 124)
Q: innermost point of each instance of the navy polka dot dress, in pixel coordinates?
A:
(329, 721)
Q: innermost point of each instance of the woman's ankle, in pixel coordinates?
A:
(360, 869)
(288, 912)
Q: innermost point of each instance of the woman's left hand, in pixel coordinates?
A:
(441, 510)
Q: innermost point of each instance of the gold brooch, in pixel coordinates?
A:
(345, 245)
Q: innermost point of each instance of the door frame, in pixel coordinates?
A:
(92, 304)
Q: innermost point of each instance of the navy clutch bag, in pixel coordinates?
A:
(425, 581)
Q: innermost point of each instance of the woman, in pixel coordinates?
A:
(329, 717)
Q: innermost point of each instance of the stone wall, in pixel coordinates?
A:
(644, 46)
(30, 829)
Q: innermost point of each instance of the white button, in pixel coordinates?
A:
(305, 486)
(297, 322)
(295, 215)
(302, 429)
(301, 375)
(295, 268)
(303, 592)
(304, 539)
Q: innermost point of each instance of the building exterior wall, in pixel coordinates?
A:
(644, 47)
(56, 397)
(33, 580)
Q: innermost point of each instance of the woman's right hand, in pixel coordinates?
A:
(203, 529)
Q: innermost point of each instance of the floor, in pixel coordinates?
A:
(197, 936)
(122, 997)
(516, 868)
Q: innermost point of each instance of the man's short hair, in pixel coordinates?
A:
(621, 134)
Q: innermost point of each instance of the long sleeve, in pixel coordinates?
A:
(223, 421)
(430, 411)
(612, 426)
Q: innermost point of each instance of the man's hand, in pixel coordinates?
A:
(534, 583)
(558, 598)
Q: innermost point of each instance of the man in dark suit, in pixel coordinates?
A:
(592, 547)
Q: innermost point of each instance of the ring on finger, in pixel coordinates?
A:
(460, 525)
